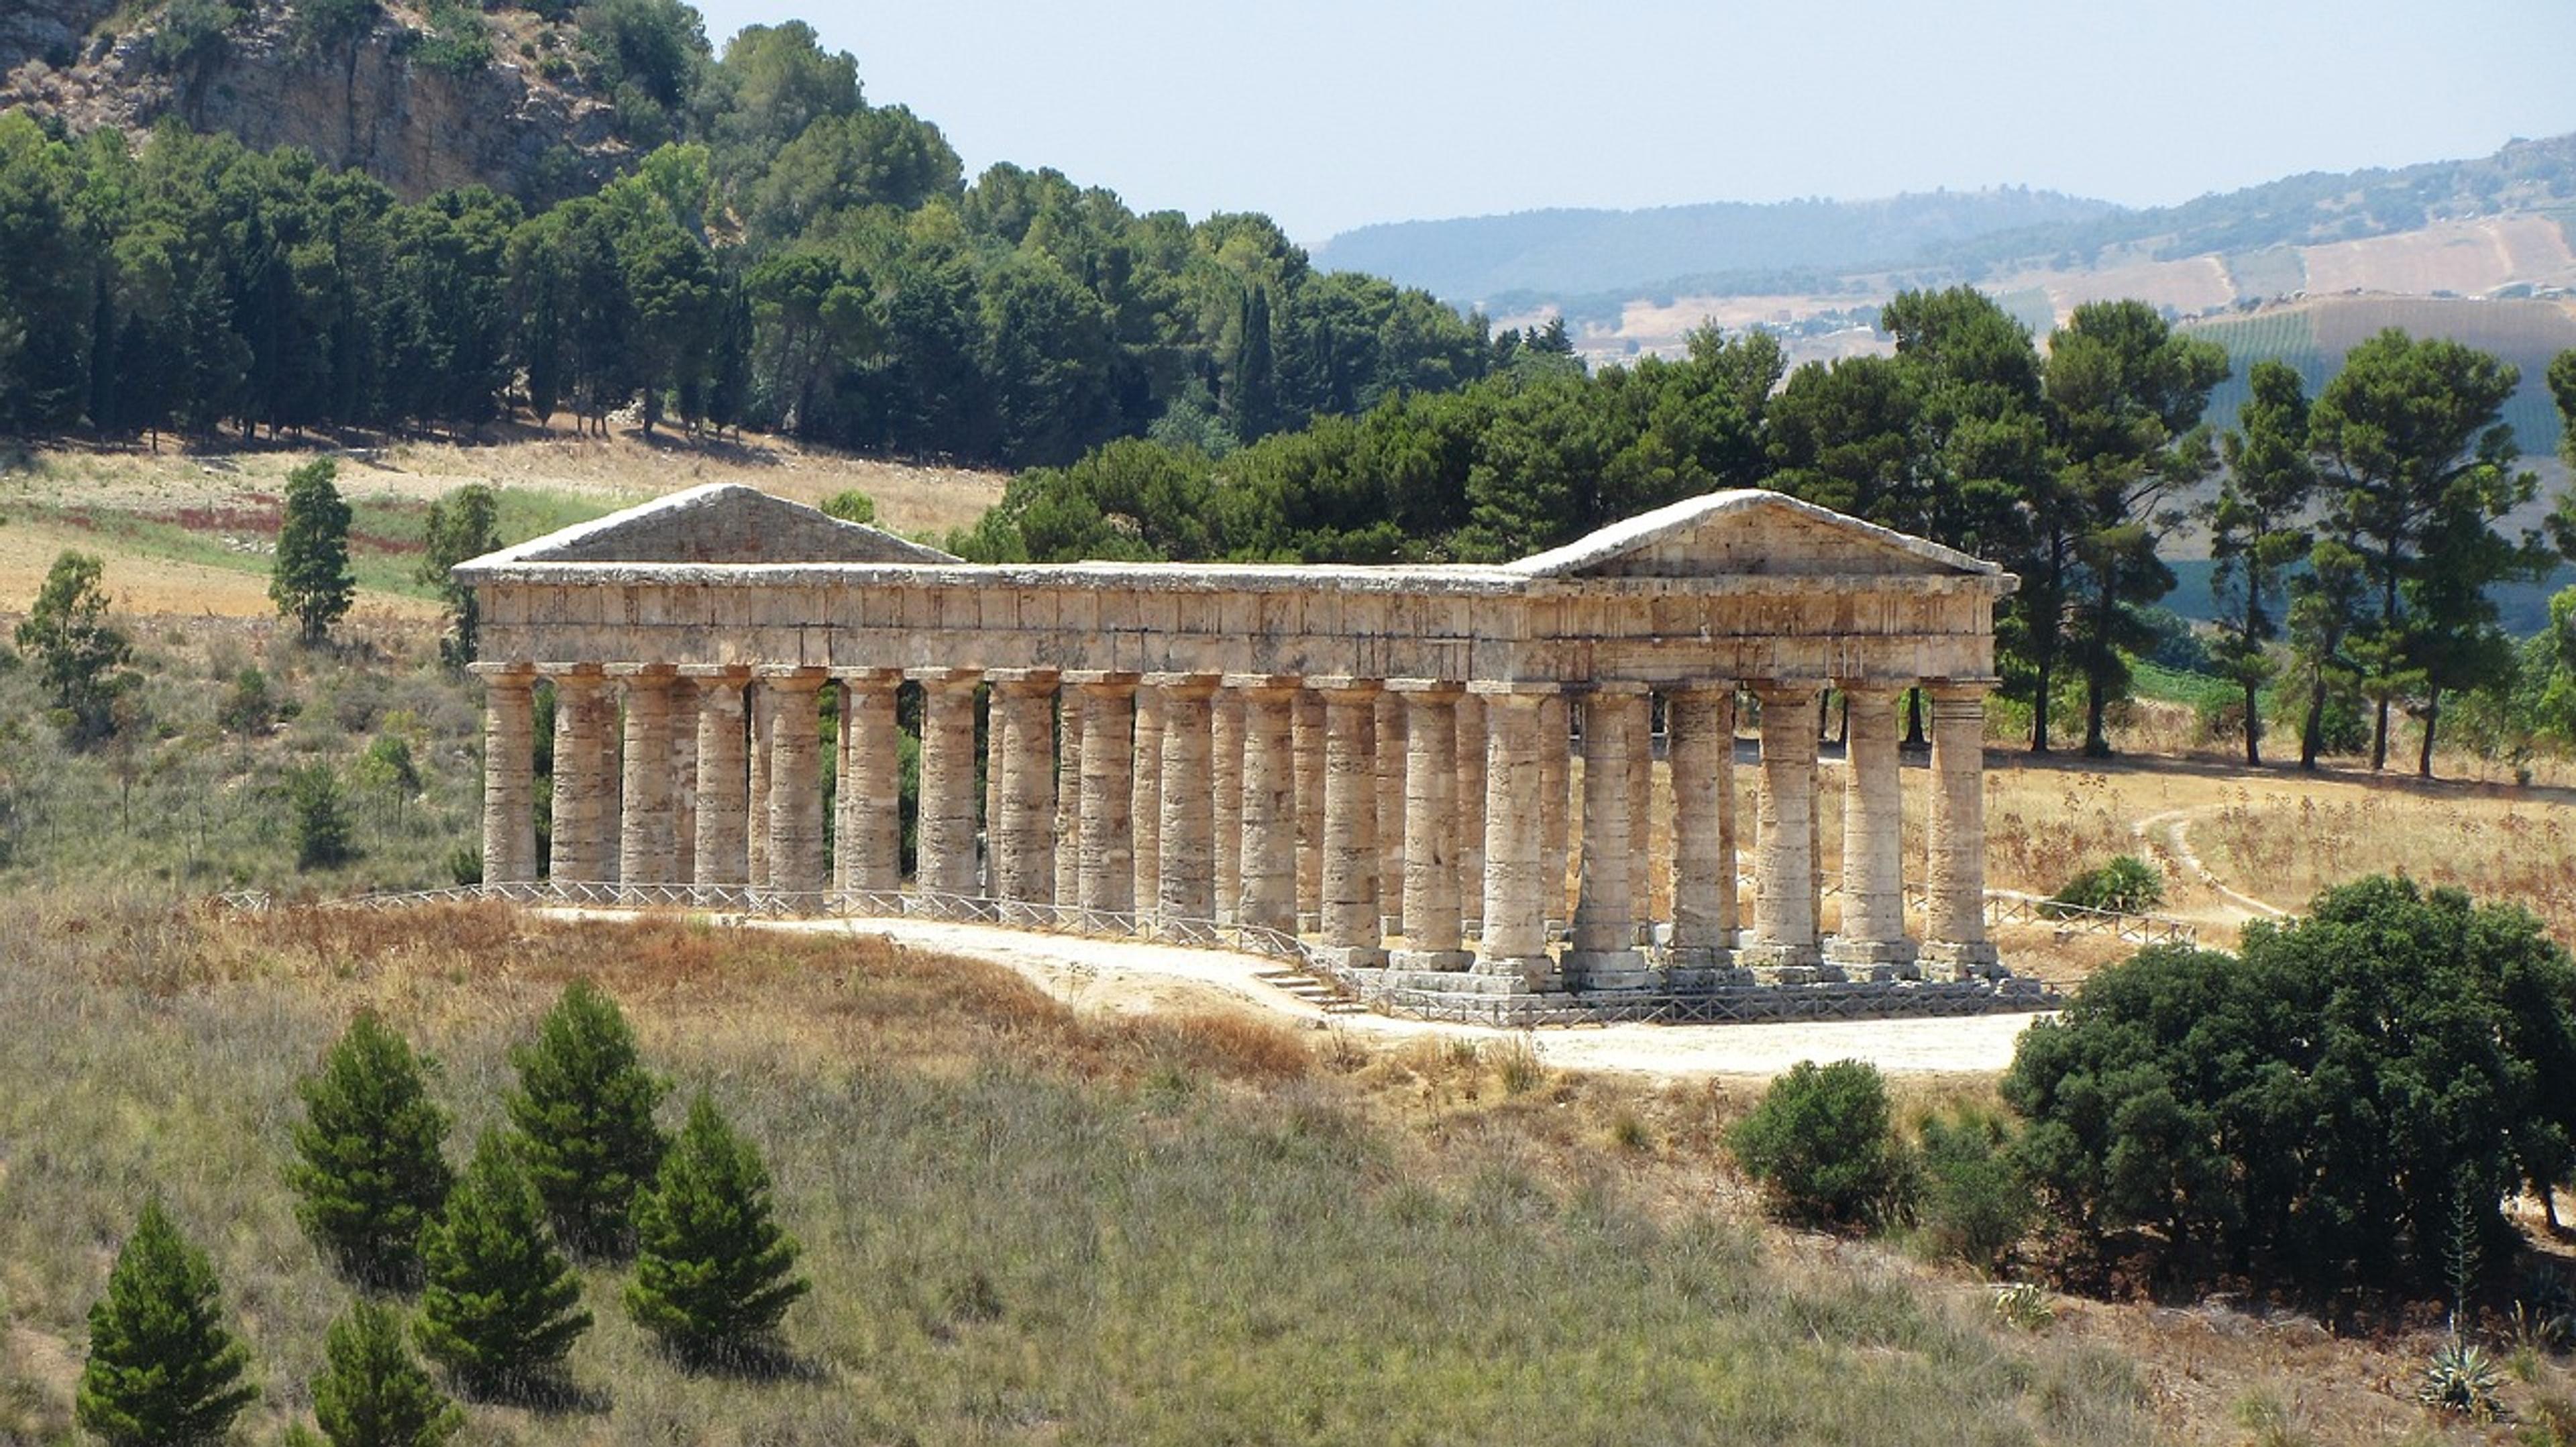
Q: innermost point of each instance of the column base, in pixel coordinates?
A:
(1779, 955)
(1351, 957)
(1533, 972)
(1443, 961)
(1309, 923)
(1608, 970)
(1965, 959)
(1880, 959)
(1699, 957)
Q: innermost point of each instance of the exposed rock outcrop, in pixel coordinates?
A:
(366, 103)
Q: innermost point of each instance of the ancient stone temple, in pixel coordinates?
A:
(1377, 764)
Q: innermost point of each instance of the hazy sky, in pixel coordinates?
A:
(1335, 113)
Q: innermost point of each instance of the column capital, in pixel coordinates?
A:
(1953, 690)
(1187, 685)
(499, 672)
(794, 680)
(944, 679)
(560, 671)
(643, 670)
(1704, 688)
(868, 678)
(1345, 683)
(1023, 680)
(1871, 690)
(720, 672)
(1514, 688)
(1100, 678)
(1608, 687)
(1428, 687)
(1787, 690)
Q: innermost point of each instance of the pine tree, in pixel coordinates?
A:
(500, 1306)
(311, 582)
(713, 1272)
(162, 1367)
(375, 1393)
(584, 1107)
(368, 1163)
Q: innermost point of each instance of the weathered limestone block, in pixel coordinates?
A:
(869, 805)
(1432, 919)
(1700, 722)
(796, 784)
(1955, 935)
(1352, 924)
(945, 833)
(723, 853)
(1268, 882)
(1187, 847)
(509, 774)
(1784, 890)
(1873, 919)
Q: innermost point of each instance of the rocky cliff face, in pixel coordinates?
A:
(366, 103)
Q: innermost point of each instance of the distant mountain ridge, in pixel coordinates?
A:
(1577, 252)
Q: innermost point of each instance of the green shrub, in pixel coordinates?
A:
(851, 506)
(321, 817)
(584, 1112)
(713, 1272)
(500, 1306)
(369, 1172)
(1820, 1143)
(248, 708)
(2126, 885)
(162, 1369)
(1974, 1202)
(374, 1393)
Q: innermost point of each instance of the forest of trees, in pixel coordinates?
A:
(789, 258)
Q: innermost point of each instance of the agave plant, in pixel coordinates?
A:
(2462, 1378)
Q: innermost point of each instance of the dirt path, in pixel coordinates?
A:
(1124, 977)
(2169, 832)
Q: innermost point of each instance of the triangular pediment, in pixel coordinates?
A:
(1749, 533)
(719, 523)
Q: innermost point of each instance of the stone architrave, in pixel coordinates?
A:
(1267, 885)
(1955, 877)
(1700, 726)
(1431, 912)
(1352, 925)
(796, 872)
(1187, 893)
(509, 773)
(1514, 945)
(1225, 774)
(1471, 814)
(1306, 720)
(945, 832)
(869, 805)
(585, 756)
(1784, 888)
(1606, 910)
(1106, 869)
(1872, 936)
(722, 858)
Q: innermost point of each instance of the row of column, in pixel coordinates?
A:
(1423, 814)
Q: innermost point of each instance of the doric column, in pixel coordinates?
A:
(1514, 944)
(509, 772)
(1225, 772)
(945, 831)
(1351, 922)
(1699, 722)
(1471, 812)
(648, 841)
(1955, 935)
(722, 857)
(1555, 745)
(1873, 922)
(1020, 829)
(582, 846)
(1267, 886)
(796, 786)
(1388, 753)
(1186, 890)
(869, 805)
(1431, 912)
(1148, 809)
(1107, 870)
(1641, 825)
(684, 779)
(1068, 794)
(1784, 883)
(989, 811)
(762, 703)
(1306, 719)
(1606, 909)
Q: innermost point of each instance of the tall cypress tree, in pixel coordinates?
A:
(162, 1368)
(500, 1306)
(311, 582)
(369, 1167)
(584, 1107)
(374, 1392)
(713, 1271)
